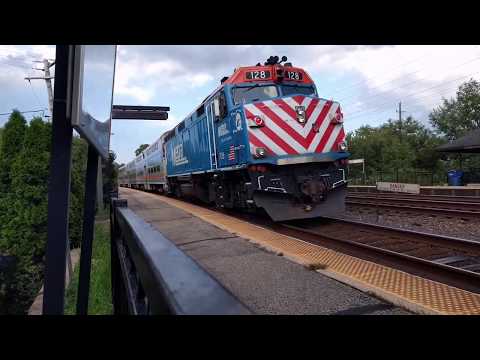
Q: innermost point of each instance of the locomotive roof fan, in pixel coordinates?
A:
(273, 60)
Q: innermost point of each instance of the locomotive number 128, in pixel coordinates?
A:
(257, 74)
(294, 75)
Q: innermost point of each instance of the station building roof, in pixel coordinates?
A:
(469, 143)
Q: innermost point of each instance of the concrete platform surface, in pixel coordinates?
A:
(265, 282)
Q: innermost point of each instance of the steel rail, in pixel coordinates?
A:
(416, 205)
(414, 197)
(440, 240)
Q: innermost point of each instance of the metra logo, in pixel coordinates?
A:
(238, 123)
(178, 157)
(222, 130)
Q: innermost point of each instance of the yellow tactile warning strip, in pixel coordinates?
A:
(409, 291)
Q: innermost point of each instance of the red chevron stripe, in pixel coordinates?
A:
(285, 107)
(298, 98)
(278, 140)
(291, 133)
(282, 124)
(309, 110)
(319, 121)
(325, 138)
(338, 140)
(256, 142)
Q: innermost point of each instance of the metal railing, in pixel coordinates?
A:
(150, 275)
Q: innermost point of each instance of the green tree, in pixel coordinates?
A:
(24, 230)
(140, 149)
(455, 117)
(12, 142)
(396, 148)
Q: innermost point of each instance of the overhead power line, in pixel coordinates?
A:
(442, 93)
(411, 82)
(343, 89)
(25, 112)
(421, 91)
(388, 107)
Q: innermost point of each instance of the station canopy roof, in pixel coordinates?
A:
(469, 143)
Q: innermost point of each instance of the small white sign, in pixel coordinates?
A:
(356, 161)
(398, 187)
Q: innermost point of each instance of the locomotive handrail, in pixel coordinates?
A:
(150, 275)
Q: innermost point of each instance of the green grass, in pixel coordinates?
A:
(100, 299)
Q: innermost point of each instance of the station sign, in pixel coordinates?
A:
(398, 187)
(356, 161)
(92, 94)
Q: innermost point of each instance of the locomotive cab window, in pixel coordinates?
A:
(297, 90)
(200, 111)
(243, 95)
(220, 106)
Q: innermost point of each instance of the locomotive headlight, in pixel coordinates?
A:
(260, 152)
(300, 110)
(342, 146)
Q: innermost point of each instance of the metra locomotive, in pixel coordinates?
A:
(262, 139)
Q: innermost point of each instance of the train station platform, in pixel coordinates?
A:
(265, 281)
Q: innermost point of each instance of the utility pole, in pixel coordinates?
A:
(400, 118)
(48, 80)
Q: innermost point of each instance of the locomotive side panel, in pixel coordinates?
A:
(188, 151)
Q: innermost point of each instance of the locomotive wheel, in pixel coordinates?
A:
(178, 192)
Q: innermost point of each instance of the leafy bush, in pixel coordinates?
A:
(24, 208)
(24, 171)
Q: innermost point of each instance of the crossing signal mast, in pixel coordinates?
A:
(47, 64)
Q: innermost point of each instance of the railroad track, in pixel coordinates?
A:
(450, 260)
(451, 205)
(436, 254)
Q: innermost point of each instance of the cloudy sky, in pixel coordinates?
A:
(368, 81)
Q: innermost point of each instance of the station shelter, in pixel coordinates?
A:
(468, 144)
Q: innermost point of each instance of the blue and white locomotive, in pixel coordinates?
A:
(262, 139)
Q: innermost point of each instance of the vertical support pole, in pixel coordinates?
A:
(113, 256)
(87, 231)
(46, 67)
(100, 195)
(58, 191)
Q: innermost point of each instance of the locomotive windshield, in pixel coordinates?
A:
(257, 92)
(297, 89)
(242, 95)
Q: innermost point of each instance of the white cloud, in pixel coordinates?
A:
(416, 75)
(141, 79)
(367, 80)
